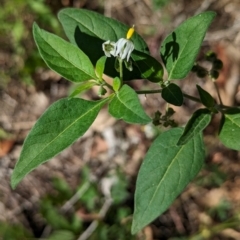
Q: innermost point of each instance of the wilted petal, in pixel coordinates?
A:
(120, 46)
(124, 48)
(129, 48)
(109, 48)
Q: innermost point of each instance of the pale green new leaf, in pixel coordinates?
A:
(230, 129)
(180, 48)
(196, 124)
(165, 172)
(126, 105)
(100, 65)
(59, 126)
(63, 57)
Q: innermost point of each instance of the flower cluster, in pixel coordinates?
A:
(122, 48)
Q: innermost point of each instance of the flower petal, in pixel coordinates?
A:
(109, 48)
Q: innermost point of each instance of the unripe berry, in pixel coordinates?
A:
(214, 74)
(195, 68)
(217, 64)
(202, 72)
(211, 56)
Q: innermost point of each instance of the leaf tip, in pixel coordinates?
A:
(14, 182)
(35, 26)
(135, 228)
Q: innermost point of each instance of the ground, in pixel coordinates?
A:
(205, 207)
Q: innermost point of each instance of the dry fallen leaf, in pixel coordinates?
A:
(5, 147)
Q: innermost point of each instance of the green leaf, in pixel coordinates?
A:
(229, 133)
(197, 123)
(126, 105)
(116, 84)
(63, 57)
(89, 30)
(53, 216)
(148, 66)
(173, 94)
(206, 99)
(82, 87)
(165, 172)
(181, 47)
(61, 124)
(100, 65)
(61, 235)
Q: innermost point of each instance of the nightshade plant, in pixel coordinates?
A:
(102, 45)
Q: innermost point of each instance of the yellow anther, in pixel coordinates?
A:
(130, 32)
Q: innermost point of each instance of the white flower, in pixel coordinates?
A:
(109, 48)
(122, 48)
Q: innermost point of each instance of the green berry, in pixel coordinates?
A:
(214, 74)
(211, 56)
(170, 112)
(195, 68)
(202, 72)
(217, 64)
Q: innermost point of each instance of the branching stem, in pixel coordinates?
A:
(160, 90)
(218, 93)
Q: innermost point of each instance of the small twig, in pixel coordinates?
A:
(204, 6)
(92, 227)
(223, 34)
(75, 198)
(68, 205)
(108, 8)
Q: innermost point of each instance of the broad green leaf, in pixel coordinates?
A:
(61, 124)
(63, 57)
(173, 94)
(197, 123)
(206, 98)
(88, 30)
(181, 47)
(82, 87)
(230, 129)
(126, 105)
(148, 66)
(100, 65)
(165, 172)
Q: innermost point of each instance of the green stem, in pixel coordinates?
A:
(149, 91)
(108, 85)
(192, 98)
(160, 90)
(215, 230)
(121, 70)
(218, 93)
